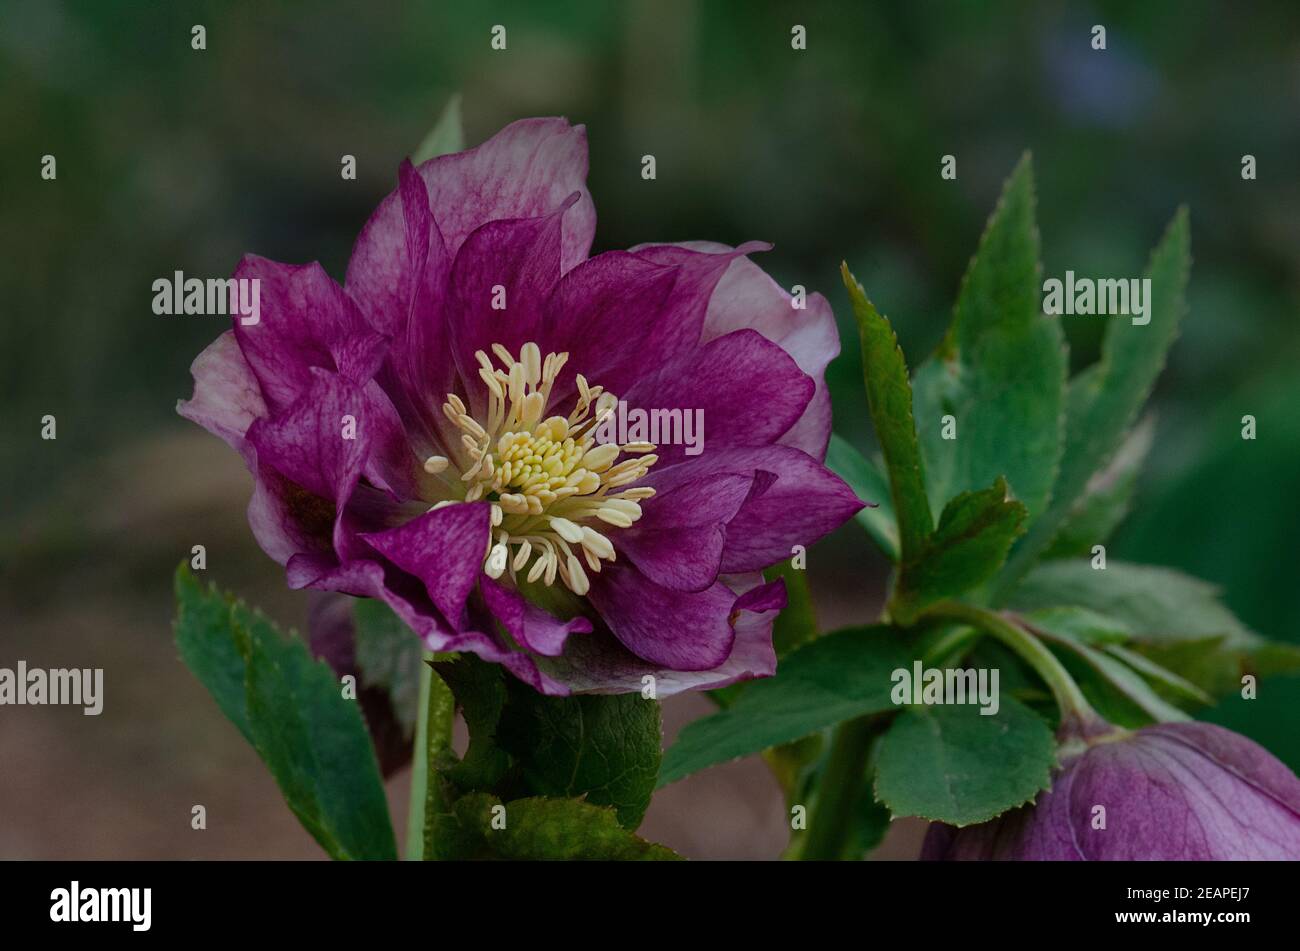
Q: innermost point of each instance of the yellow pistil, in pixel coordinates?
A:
(547, 479)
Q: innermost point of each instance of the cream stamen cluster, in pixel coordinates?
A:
(547, 478)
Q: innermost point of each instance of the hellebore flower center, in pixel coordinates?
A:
(547, 479)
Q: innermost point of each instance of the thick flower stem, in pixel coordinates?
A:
(1077, 715)
(419, 768)
(837, 793)
(436, 712)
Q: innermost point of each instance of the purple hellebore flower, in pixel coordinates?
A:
(1175, 791)
(427, 434)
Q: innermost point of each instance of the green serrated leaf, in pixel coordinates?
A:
(1155, 604)
(388, 655)
(975, 532)
(1104, 401)
(292, 709)
(954, 765)
(870, 485)
(837, 677)
(1015, 677)
(1106, 500)
(1177, 621)
(605, 748)
(1116, 676)
(889, 399)
(1081, 624)
(1146, 688)
(1215, 665)
(539, 829)
(445, 137)
(206, 642)
(1205, 661)
(1170, 683)
(1113, 705)
(1000, 371)
(315, 743)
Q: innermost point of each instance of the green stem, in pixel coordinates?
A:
(1077, 714)
(951, 647)
(838, 791)
(437, 713)
(419, 767)
(442, 719)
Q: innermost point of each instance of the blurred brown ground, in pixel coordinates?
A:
(86, 582)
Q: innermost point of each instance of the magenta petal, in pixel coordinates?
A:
(400, 257)
(763, 598)
(746, 297)
(524, 171)
(306, 443)
(599, 664)
(226, 397)
(285, 519)
(680, 326)
(390, 465)
(402, 592)
(804, 503)
(518, 260)
(746, 389)
(360, 356)
(531, 627)
(444, 549)
(331, 435)
(812, 433)
(321, 445)
(620, 313)
(410, 602)
(602, 312)
(1234, 754)
(304, 318)
(754, 613)
(678, 542)
(683, 559)
(421, 369)
(527, 669)
(678, 629)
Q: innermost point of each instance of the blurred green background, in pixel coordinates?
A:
(171, 158)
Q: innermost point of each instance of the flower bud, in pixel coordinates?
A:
(1172, 791)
